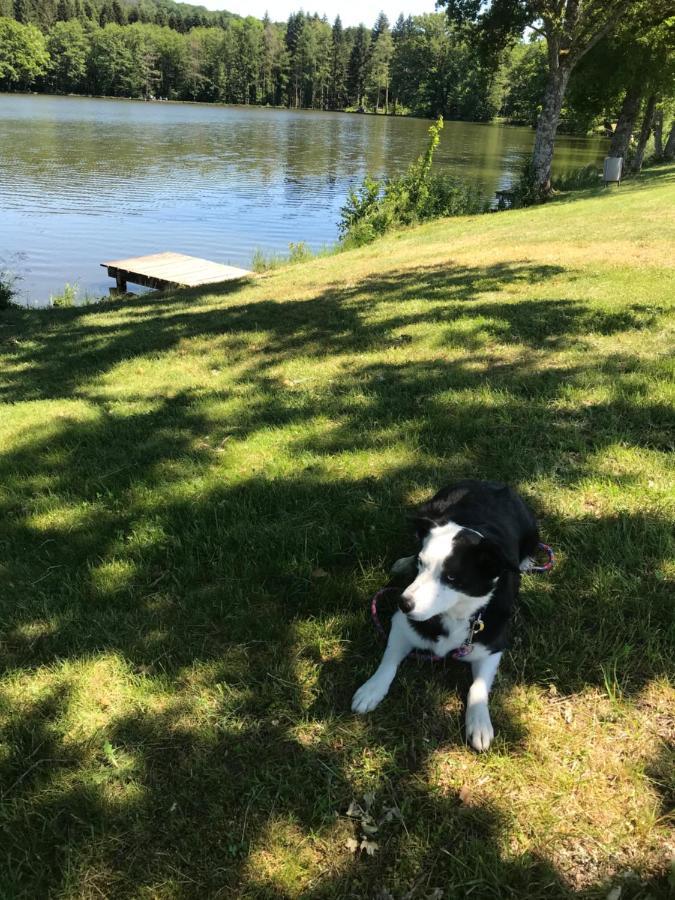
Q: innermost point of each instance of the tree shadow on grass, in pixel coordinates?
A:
(143, 537)
(55, 353)
(171, 804)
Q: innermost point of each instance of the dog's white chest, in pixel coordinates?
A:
(459, 631)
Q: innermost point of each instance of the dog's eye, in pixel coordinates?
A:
(448, 579)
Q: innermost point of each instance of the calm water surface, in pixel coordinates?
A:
(85, 180)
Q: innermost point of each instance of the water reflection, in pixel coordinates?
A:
(83, 180)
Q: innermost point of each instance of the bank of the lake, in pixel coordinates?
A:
(86, 180)
(200, 491)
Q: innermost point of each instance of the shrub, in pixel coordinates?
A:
(416, 196)
(7, 289)
(66, 299)
(299, 252)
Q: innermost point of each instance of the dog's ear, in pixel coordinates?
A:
(422, 525)
(493, 560)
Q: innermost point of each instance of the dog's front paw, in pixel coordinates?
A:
(479, 730)
(369, 695)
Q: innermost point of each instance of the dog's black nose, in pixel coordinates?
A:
(405, 604)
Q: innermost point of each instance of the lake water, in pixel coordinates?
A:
(84, 180)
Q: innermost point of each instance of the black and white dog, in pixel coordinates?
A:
(476, 537)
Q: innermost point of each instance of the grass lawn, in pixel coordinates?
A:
(199, 493)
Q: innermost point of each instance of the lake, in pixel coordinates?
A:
(84, 180)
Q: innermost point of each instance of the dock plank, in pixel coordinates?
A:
(168, 269)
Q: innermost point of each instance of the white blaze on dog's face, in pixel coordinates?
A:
(454, 564)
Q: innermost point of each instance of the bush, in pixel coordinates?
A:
(299, 252)
(416, 196)
(7, 290)
(66, 299)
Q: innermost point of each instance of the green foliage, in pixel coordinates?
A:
(23, 54)
(66, 299)
(359, 64)
(7, 289)
(149, 50)
(578, 179)
(416, 196)
(435, 71)
(68, 45)
(525, 192)
(524, 77)
(298, 252)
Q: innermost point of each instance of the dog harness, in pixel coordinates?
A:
(476, 623)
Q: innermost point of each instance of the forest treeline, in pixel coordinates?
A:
(155, 48)
(550, 63)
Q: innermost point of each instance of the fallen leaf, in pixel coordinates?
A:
(354, 810)
(319, 573)
(371, 847)
(369, 829)
(352, 845)
(615, 893)
(466, 795)
(568, 715)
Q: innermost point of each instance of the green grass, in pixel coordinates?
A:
(198, 494)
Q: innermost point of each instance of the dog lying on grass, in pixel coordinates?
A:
(476, 538)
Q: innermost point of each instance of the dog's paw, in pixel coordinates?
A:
(369, 695)
(479, 730)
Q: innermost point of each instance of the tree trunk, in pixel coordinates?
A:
(645, 133)
(547, 126)
(669, 149)
(626, 122)
(658, 134)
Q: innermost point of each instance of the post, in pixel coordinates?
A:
(121, 280)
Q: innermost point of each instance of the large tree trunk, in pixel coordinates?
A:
(626, 122)
(547, 126)
(669, 149)
(658, 134)
(645, 132)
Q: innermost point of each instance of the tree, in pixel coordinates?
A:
(294, 29)
(402, 65)
(68, 46)
(645, 133)
(23, 54)
(111, 65)
(435, 71)
(635, 60)
(524, 78)
(272, 64)
(337, 92)
(21, 11)
(382, 50)
(570, 28)
(64, 11)
(357, 71)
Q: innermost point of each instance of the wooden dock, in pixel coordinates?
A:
(169, 270)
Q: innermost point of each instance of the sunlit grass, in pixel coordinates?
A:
(199, 492)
